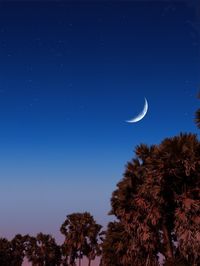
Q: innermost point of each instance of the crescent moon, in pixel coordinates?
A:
(141, 115)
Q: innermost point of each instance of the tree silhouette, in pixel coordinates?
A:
(197, 118)
(18, 247)
(93, 235)
(197, 115)
(42, 250)
(81, 237)
(116, 246)
(158, 204)
(5, 252)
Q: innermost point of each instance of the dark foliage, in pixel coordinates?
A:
(158, 202)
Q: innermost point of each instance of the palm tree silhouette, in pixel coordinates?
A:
(158, 199)
(81, 237)
(42, 250)
(197, 114)
(5, 252)
(115, 244)
(93, 235)
(197, 118)
(18, 246)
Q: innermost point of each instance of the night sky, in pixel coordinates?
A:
(71, 74)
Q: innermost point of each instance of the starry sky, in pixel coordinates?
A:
(71, 73)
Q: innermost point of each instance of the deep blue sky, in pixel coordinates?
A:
(70, 75)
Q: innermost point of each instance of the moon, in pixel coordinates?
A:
(141, 115)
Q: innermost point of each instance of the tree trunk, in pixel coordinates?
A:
(167, 243)
(89, 262)
(147, 261)
(79, 259)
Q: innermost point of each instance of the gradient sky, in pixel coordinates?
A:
(70, 75)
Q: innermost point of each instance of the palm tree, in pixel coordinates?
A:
(49, 249)
(43, 251)
(72, 245)
(197, 118)
(158, 204)
(18, 247)
(32, 251)
(81, 237)
(5, 252)
(93, 235)
(115, 246)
